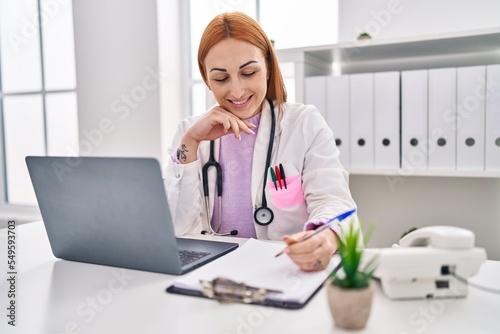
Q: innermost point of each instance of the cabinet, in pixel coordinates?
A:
(469, 48)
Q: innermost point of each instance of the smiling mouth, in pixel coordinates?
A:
(241, 102)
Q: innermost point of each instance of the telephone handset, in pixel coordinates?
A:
(443, 237)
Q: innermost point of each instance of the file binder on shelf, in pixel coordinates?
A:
(253, 275)
(442, 119)
(315, 93)
(492, 138)
(361, 120)
(471, 82)
(386, 110)
(337, 92)
(414, 103)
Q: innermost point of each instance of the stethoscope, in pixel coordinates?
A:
(262, 215)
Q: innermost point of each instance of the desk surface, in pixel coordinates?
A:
(56, 296)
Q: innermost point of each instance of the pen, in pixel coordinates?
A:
(278, 176)
(273, 176)
(340, 217)
(282, 172)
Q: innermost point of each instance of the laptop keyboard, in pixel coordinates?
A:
(188, 256)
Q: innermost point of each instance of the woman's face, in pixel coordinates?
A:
(237, 76)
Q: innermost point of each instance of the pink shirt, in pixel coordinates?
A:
(235, 158)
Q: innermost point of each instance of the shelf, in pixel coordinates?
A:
(451, 49)
(483, 40)
(434, 173)
(457, 49)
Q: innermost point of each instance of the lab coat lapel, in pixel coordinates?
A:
(260, 152)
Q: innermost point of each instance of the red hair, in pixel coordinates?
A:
(242, 27)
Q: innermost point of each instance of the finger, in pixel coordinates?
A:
(313, 263)
(306, 246)
(320, 264)
(313, 259)
(235, 126)
(250, 125)
(291, 239)
(307, 257)
(226, 124)
(247, 127)
(242, 125)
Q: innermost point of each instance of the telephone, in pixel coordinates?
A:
(429, 262)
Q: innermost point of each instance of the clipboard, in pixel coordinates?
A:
(252, 275)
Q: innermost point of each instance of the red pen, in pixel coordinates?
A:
(278, 175)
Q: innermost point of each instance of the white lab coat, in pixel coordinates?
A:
(303, 143)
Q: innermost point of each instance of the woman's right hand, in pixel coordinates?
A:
(216, 123)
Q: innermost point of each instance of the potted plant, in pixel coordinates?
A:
(364, 35)
(349, 288)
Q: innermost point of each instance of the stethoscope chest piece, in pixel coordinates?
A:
(263, 216)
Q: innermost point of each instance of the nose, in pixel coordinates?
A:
(237, 89)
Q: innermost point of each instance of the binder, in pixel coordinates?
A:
(315, 93)
(255, 276)
(471, 83)
(492, 137)
(442, 119)
(414, 102)
(361, 120)
(337, 92)
(386, 115)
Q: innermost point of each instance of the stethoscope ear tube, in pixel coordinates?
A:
(264, 215)
(212, 163)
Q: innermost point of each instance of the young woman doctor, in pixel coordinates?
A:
(251, 130)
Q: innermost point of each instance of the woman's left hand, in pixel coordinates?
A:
(313, 254)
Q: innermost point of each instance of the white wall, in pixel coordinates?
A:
(116, 49)
(396, 206)
(172, 39)
(473, 203)
(405, 18)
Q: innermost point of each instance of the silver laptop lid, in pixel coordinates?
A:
(110, 211)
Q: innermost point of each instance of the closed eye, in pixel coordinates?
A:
(221, 79)
(248, 74)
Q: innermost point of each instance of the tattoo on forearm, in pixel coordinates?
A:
(181, 153)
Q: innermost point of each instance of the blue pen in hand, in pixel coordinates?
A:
(330, 221)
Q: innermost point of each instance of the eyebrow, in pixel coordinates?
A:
(242, 66)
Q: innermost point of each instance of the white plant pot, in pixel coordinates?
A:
(350, 308)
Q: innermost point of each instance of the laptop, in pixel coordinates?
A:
(114, 212)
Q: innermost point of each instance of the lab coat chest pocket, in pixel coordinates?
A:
(287, 203)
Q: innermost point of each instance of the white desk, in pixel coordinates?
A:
(56, 296)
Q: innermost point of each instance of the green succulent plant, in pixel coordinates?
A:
(352, 276)
(364, 35)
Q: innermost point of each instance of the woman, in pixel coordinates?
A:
(254, 130)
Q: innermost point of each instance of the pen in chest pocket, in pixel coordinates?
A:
(273, 177)
(278, 177)
(282, 173)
